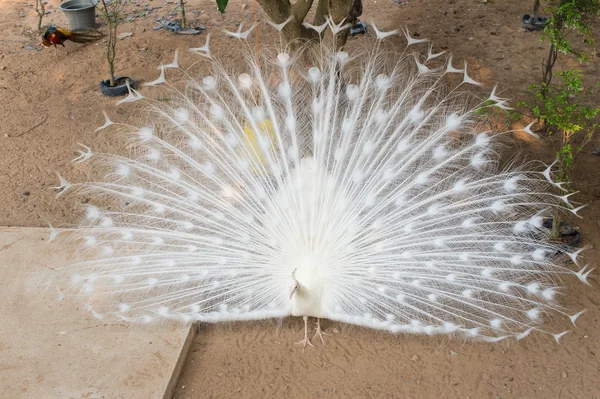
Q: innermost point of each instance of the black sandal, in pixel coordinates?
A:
(566, 234)
(533, 22)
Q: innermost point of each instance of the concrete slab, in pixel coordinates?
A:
(51, 349)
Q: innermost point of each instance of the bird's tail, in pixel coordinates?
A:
(85, 35)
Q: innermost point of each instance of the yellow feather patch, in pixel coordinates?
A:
(251, 148)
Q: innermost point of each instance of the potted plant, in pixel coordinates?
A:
(113, 13)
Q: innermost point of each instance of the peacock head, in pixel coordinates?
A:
(295, 284)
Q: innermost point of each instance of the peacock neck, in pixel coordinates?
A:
(307, 301)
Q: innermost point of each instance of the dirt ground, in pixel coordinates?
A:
(51, 102)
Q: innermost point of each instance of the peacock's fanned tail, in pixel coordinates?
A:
(371, 168)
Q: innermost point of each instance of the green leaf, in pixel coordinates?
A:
(221, 4)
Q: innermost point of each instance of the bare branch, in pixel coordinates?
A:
(41, 11)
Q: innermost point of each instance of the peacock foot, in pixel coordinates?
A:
(319, 333)
(304, 342)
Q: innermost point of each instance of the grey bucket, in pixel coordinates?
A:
(80, 13)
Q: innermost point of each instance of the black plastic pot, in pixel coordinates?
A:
(120, 87)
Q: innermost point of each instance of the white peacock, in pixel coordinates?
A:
(349, 188)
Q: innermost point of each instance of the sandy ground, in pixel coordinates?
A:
(52, 102)
(260, 361)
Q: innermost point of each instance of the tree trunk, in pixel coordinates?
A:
(536, 8)
(343, 10)
(558, 22)
(111, 50)
(280, 10)
(183, 21)
(41, 11)
(547, 69)
(321, 12)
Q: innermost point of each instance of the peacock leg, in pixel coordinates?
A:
(320, 332)
(305, 341)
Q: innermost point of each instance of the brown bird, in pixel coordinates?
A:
(55, 36)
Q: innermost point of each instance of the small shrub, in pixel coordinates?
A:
(562, 109)
(567, 17)
(113, 13)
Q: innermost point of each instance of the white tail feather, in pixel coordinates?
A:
(279, 27)
(107, 122)
(410, 39)
(161, 79)
(319, 29)
(357, 182)
(203, 51)
(133, 95)
(382, 35)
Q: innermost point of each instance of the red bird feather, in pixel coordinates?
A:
(55, 36)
